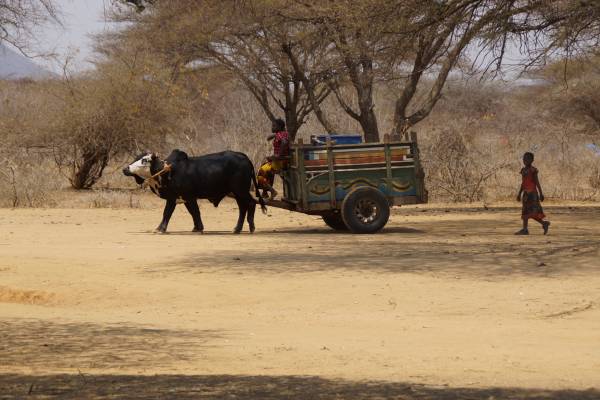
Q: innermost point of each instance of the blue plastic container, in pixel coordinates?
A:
(341, 139)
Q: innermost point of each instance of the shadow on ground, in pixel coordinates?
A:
(41, 345)
(183, 387)
(480, 249)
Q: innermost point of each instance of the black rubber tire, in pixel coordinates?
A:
(365, 210)
(335, 221)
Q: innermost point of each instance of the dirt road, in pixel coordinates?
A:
(444, 302)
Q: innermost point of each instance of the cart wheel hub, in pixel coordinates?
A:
(366, 211)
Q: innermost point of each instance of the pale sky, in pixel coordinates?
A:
(81, 19)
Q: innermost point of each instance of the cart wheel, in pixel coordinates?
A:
(365, 210)
(335, 221)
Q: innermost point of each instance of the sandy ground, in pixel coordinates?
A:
(444, 303)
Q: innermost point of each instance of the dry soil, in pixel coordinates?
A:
(444, 303)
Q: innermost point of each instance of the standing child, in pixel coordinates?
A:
(281, 145)
(531, 195)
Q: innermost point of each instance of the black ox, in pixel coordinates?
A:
(211, 177)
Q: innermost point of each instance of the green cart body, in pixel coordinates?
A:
(352, 186)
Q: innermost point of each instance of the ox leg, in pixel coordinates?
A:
(243, 206)
(168, 211)
(251, 211)
(194, 210)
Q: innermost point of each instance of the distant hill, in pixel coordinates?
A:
(16, 66)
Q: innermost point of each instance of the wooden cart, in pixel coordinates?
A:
(352, 187)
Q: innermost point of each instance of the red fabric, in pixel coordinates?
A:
(281, 149)
(532, 208)
(529, 174)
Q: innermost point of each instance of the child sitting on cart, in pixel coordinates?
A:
(265, 179)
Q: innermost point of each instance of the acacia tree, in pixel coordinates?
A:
(18, 17)
(249, 40)
(410, 46)
(127, 102)
(539, 28)
(355, 35)
(573, 92)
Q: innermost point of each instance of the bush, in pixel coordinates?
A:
(28, 180)
(114, 110)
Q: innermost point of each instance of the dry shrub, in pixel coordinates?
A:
(493, 126)
(112, 111)
(28, 179)
(462, 167)
(107, 198)
(225, 118)
(471, 145)
(114, 199)
(26, 110)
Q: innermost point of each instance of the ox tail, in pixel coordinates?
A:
(261, 201)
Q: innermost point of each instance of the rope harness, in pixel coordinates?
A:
(155, 184)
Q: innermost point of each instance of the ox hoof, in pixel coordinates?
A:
(196, 230)
(237, 231)
(160, 230)
(252, 228)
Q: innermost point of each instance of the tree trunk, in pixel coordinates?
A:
(309, 88)
(291, 123)
(89, 170)
(368, 123)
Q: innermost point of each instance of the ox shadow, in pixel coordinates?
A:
(206, 387)
(283, 231)
(44, 345)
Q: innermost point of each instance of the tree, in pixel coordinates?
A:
(574, 91)
(412, 45)
(291, 53)
(251, 41)
(128, 102)
(18, 17)
(561, 28)
(355, 34)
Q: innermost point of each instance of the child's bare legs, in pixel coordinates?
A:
(545, 224)
(269, 188)
(525, 230)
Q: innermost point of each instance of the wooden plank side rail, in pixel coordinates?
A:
(419, 172)
(388, 161)
(394, 159)
(332, 199)
(302, 192)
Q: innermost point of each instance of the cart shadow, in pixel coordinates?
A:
(329, 231)
(187, 387)
(486, 251)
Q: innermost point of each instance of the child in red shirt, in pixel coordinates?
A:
(531, 195)
(281, 145)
